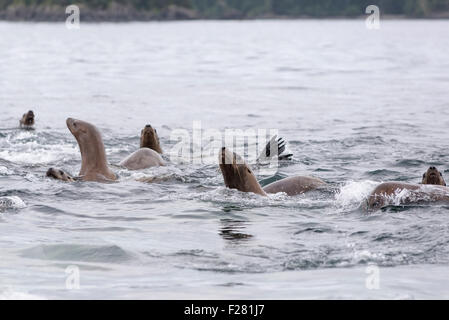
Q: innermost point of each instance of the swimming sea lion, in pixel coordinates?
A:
(149, 153)
(27, 121)
(433, 176)
(433, 188)
(150, 139)
(59, 175)
(142, 159)
(93, 156)
(94, 166)
(237, 175)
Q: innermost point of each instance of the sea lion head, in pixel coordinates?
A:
(59, 175)
(84, 132)
(150, 139)
(433, 176)
(28, 119)
(237, 174)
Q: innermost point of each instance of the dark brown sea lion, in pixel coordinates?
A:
(433, 188)
(94, 166)
(59, 175)
(27, 121)
(149, 154)
(238, 175)
(433, 176)
(150, 139)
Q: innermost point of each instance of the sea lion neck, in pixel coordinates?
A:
(93, 154)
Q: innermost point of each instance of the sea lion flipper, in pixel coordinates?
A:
(286, 156)
(274, 142)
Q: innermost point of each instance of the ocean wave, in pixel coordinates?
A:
(79, 252)
(27, 147)
(11, 294)
(4, 171)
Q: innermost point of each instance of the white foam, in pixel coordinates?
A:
(353, 193)
(34, 153)
(22, 135)
(5, 171)
(10, 294)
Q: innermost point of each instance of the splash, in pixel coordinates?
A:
(354, 193)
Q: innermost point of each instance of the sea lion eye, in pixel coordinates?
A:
(424, 175)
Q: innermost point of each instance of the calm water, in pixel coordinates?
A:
(358, 107)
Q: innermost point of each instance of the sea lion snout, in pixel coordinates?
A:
(74, 125)
(70, 122)
(29, 118)
(50, 173)
(227, 157)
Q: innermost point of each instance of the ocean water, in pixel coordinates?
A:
(357, 107)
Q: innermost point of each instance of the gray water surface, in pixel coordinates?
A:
(357, 106)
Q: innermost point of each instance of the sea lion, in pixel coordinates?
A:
(27, 121)
(150, 139)
(433, 188)
(94, 166)
(142, 159)
(59, 175)
(238, 175)
(433, 176)
(149, 153)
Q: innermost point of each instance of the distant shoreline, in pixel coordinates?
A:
(172, 13)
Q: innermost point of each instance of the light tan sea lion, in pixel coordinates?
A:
(238, 175)
(432, 189)
(142, 159)
(149, 153)
(94, 166)
(27, 121)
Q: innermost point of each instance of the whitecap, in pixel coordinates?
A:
(10, 294)
(4, 171)
(353, 193)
